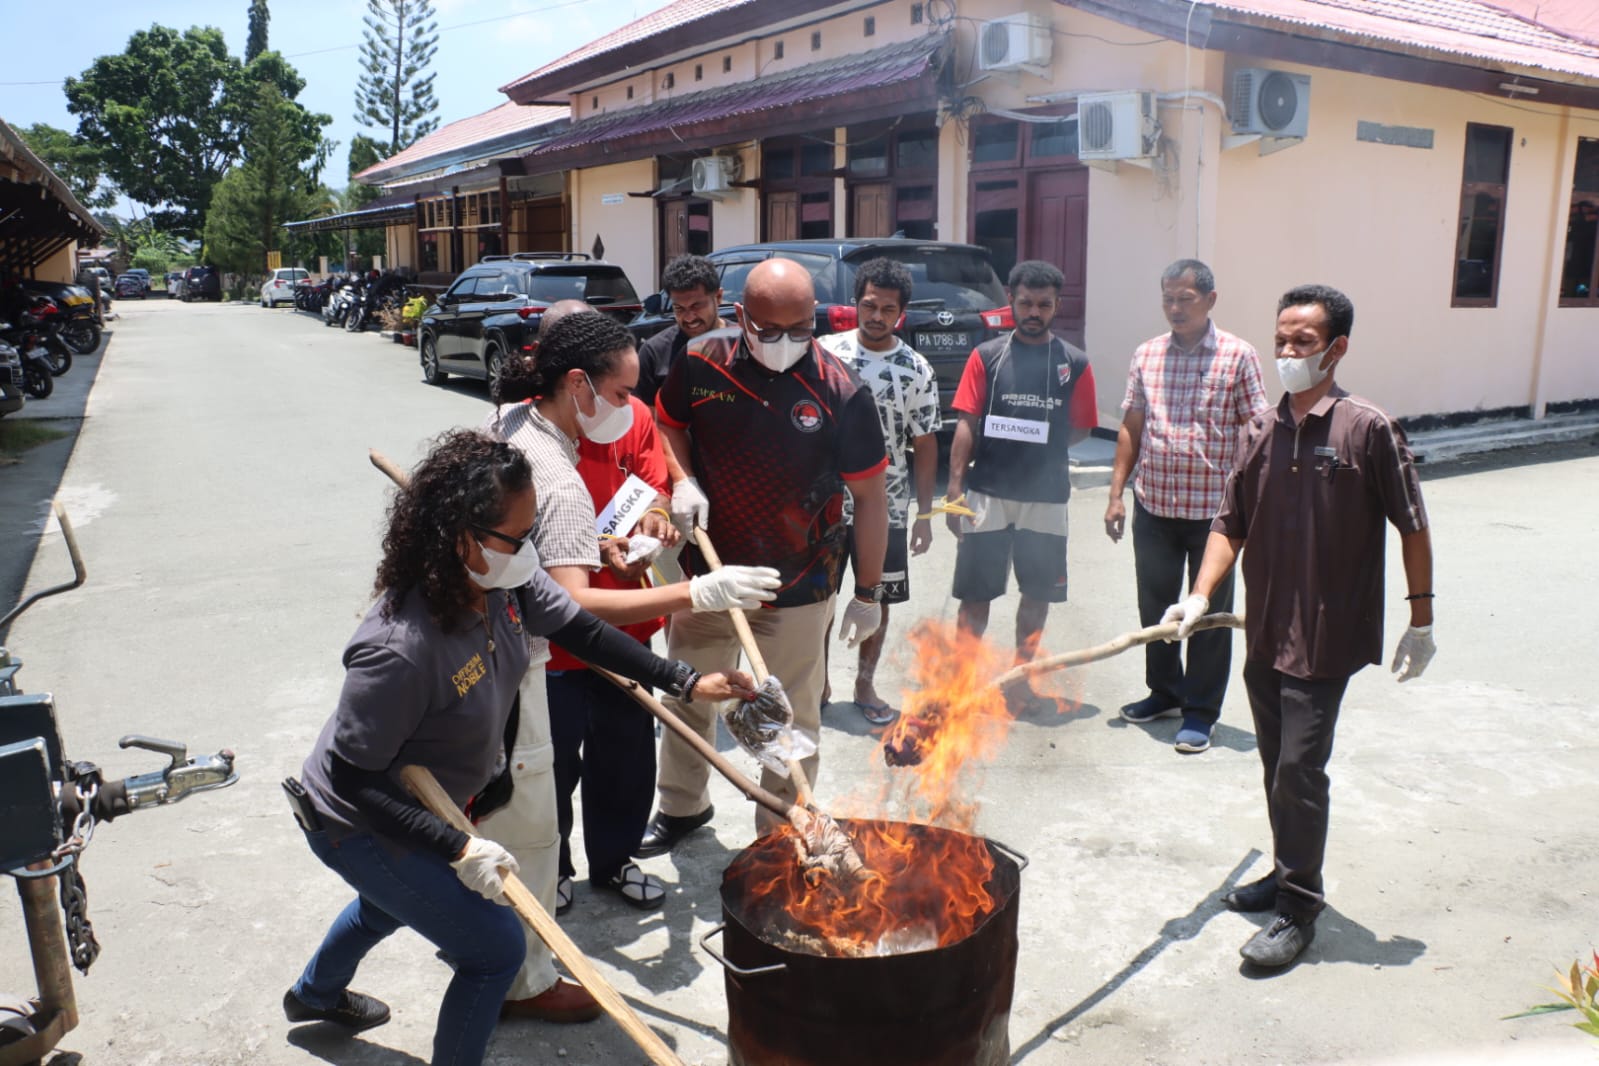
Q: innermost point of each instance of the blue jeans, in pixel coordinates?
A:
(482, 940)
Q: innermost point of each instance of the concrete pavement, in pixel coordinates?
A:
(230, 523)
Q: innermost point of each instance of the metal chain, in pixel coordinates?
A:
(81, 941)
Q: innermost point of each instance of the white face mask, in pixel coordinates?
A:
(608, 423)
(507, 570)
(1302, 375)
(776, 356)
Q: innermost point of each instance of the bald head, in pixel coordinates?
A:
(779, 295)
(557, 311)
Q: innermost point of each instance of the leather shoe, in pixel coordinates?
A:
(353, 1011)
(1279, 943)
(665, 830)
(562, 1003)
(1256, 896)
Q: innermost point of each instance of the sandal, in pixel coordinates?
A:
(877, 712)
(637, 888)
(563, 896)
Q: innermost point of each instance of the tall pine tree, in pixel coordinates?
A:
(395, 93)
(257, 41)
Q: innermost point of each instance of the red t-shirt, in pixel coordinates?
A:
(603, 468)
(772, 453)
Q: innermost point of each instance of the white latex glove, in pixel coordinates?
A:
(641, 547)
(861, 620)
(1185, 614)
(734, 587)
(479, 868)
(1415, 651)
(690, 507)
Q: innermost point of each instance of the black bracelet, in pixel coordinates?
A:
(1420, 596)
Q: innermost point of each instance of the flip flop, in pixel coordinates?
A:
(877, 712)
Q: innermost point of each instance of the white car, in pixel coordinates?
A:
(279, 288)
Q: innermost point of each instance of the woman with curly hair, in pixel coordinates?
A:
(569, 408)
(431, 679)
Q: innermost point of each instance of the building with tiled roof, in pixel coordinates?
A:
(1438, 158)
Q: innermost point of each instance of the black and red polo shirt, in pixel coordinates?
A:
(772, 452)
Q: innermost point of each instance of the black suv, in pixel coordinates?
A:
(495, 306)
(957, 301)
(202, 283)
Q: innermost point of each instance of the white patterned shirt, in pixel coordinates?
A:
(906, 390)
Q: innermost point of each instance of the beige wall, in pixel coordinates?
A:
(59, 267)
(628, 226)
(736, 219)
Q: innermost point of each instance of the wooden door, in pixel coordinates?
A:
(1056, 231)
(674, 230)
(871, 209)
(782, 216)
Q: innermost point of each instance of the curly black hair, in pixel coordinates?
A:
(583, 340)
(690, 272)
(1035, 274)
(885, 274)
(464, 481)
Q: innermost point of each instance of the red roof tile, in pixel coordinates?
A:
(673, 14)
(1466, 28)
(507, 118)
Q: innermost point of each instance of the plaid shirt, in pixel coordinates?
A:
(1194, 403)
(563, 531)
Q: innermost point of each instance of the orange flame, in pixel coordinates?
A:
(929, 888)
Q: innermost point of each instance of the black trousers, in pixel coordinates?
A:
(1294, 723)
(606, 741)
(1162, 547)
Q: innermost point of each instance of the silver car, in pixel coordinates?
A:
(279, 288)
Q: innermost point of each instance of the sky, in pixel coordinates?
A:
(483, 44)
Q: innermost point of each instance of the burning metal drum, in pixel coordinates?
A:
(915, 968)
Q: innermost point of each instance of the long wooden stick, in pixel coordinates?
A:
(741, 626)
(427, 789)
(1134, 639)
(771, 801)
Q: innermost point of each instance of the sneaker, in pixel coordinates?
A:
(1148, 709)
(1193, 737)
(1279, 943)
(563, 1003)
(354, 1011)
(1254, 897)
(637, 888)
(563, 895)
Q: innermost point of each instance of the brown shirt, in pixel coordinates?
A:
(1309, 502)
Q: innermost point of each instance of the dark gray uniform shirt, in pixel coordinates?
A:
(1309, 502)
(415, 694)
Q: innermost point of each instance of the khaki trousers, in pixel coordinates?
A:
(527, 826)
(790, 639)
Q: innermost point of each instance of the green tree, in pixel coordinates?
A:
(364, 152)
(275, 183)
(75, 161)
(395, 93)
(257, 41)
(168, 115)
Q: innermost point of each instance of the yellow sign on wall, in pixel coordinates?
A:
(274, 260)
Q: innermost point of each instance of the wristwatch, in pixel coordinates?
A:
(684, 678)
(869, 593)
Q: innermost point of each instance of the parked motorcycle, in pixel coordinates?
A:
(314, 297)
(38, 379)
(53, 807)
(340, 301)
(12, 398)
(38, 314)
(79, 325)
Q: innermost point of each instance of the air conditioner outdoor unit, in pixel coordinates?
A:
(1116, 126)
(1272, 103)
(713, 175)
(1015, 42)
